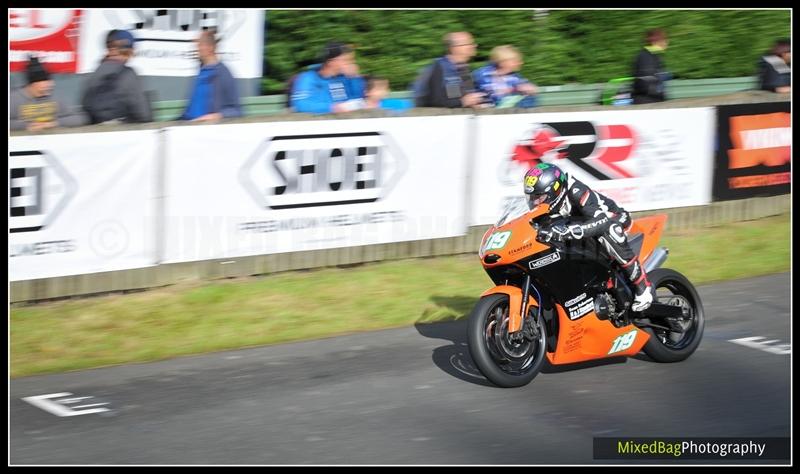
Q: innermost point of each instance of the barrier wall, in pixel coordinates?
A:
(136, 209)
(81, 204)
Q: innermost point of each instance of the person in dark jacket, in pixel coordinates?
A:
(648, 69)
(332, 87)
(448, 82)
(215, 95)
(774, 74)
(33, 107)
(114, 92)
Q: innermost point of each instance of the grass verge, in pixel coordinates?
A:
(211, 316)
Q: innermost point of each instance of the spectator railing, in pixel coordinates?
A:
(568, 94)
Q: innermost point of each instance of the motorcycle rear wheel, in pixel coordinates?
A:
(671, 287)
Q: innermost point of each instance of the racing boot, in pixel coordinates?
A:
(644, 294)
(644, 290)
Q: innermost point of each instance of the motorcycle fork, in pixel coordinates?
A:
(526, 289)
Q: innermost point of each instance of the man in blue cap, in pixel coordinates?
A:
(114, 92)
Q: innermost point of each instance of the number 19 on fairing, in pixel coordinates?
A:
(623, 342)
(498, 240)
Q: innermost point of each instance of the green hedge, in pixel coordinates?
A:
(559, 47)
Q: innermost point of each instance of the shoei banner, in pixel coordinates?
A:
(642, 159)
(165, 39)
(80, 205)
(754, 152)
(249, 189)
(51, 35)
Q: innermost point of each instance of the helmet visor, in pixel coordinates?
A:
(536, 199)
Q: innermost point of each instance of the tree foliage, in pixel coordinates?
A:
(559, 47)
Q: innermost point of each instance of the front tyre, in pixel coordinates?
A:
(670, 287)
(505, 359)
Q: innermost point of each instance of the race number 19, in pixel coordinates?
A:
(623, 342)
(498, 240)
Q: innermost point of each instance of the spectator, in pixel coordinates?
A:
(114, 92)
(775, 75)
(334, 86)
(33, 107)
(377, 96)
(215, 95)
(447, 82)
(501, 83)
(648, 69)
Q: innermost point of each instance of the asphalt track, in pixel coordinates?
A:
(411, 396)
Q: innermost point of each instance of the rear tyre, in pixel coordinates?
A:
(672, 288)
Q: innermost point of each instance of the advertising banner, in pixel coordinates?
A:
(643, 159)
(166, 39)
(81, 205)
(754, 151)
(250, 189)
(51, 35)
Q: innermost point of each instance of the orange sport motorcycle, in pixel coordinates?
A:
(561, 302)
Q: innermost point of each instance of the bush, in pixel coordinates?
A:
(559, 47)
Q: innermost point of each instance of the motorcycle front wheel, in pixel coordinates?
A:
(505, 359)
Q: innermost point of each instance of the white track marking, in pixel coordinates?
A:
(48, 404)
(755, 342)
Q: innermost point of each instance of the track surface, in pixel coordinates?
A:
(412, 396)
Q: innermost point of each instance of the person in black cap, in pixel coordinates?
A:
(334, 86)
(114, 92)
(33, 107)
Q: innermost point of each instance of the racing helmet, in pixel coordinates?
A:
(545, 183)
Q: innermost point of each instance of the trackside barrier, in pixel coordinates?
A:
(143, 207)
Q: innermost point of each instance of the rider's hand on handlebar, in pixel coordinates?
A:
(547, 235)
(556, 233)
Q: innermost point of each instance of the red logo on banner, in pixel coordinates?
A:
(51, 35)
(597, 149)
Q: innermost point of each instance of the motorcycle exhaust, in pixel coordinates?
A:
(656, 259)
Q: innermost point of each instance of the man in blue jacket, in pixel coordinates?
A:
(331, 87)
(215, 94)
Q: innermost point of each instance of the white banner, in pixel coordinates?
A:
(81, 204)
(165, 39)
(642, 159)
(249, 189)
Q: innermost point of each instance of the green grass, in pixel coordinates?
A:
(205, 317)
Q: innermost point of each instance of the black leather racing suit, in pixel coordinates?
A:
(600, 217)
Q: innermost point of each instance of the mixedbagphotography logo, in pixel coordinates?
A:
(39, 189)
(298, 171)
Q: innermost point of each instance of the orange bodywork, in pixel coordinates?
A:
(583, 339)
(651, 227)
(520, 243)
(591, 338)
(514, 304)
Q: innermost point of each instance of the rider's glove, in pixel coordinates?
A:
(560, 233)
(544, 235)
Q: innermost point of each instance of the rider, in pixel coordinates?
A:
(568, 197)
